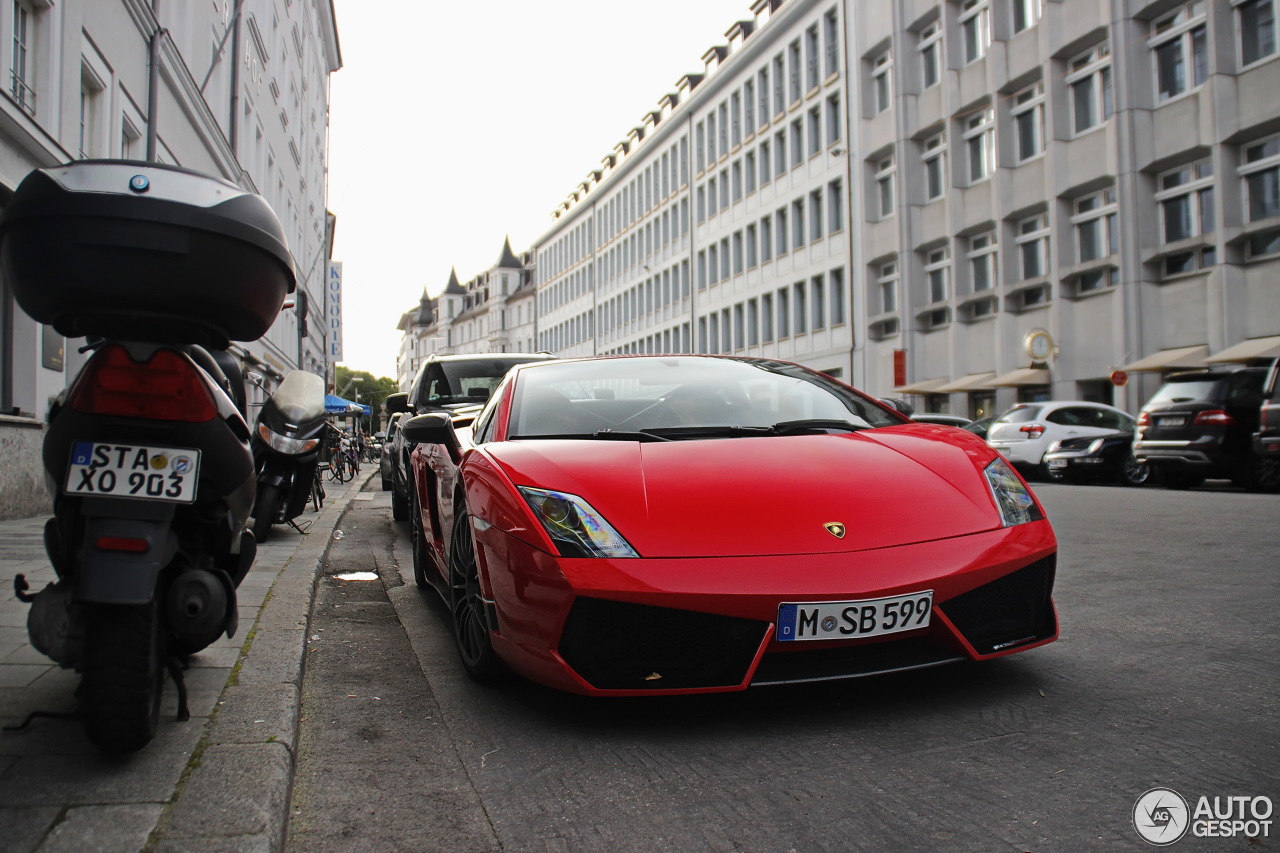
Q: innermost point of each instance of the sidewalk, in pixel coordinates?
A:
(218, 782)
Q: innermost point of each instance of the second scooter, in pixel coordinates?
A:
(286, 450)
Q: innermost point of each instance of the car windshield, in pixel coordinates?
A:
(684, 397)
(1183, 392)
(471, 381)
(1019, 415)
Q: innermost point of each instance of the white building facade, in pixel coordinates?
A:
(240, 90)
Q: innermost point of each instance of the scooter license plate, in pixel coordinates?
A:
(99, 469)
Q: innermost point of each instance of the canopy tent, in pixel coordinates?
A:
(1248, 350)
(335, 405)
(1169, 359)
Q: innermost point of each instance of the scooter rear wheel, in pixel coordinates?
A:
(123, 676)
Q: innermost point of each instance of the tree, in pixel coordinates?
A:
(362, 387)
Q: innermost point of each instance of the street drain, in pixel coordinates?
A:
(357, 576)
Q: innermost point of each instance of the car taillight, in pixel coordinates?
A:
(166, 387)
(1144, 419)
(1214, 417)
(1032, 430)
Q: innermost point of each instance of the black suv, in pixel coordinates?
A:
(1200, 426)
(458, 384)
(1266, 441)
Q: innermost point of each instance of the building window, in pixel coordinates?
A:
(935, 164)
(749, 106)
(937, 272)
(831, 41)
(1185, 197)
(887, 287)
(1033, 246)
(737, 180)
(1261, 175)
(752, 247)
(1089, 80)
(818, 301)
(815, 130)
(749, 168)
(780, 152)
(799, 303)
(881, 82)
(753, 322)
(1025, 14)
(713, 263)
(724, 130)
(737, 253)
(701, 205)
(980, 144)
(833, 119)
(1257, 30)
(765, 163)
(835, 205)
(724, 189)
(766, 317)
(724, 259)
(1179, 42)
(982, 262)
(712, 197)
(797, 223)
(702, 270)
(784, 313)
(884, 174)
(811, 58)
(797, 142)
(1028, 122)
(815, 215)
(793, 70)
(975, 29)
(766, 239)
(762, 85)
(837, 296)
(735, 119)
(779, 85)
(21, 71)
(931, 55)
(1095, 225)
(780, 218)
(91, 89)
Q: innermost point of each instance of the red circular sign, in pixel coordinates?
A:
(1119, 377)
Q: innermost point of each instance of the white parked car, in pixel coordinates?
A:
(1024, 432)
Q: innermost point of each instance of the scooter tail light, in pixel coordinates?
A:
(1214, 417)
(165, 387)
(121, 543)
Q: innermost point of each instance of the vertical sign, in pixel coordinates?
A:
(333, 311)
(899, 368)
(52, 349)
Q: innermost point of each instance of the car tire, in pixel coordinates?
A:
(1263, 475)
(1133, 472)
(386, 484)
(399, 504)
(419, 539)
(1054, 475)
(467, 606)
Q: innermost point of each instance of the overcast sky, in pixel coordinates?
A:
(456, 124)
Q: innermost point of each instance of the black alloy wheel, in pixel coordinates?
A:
(1133, 472)
(1264, 474)
(466, 604)
(123, 676)
(417, 536)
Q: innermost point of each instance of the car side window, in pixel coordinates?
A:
(1245, 390)
(1113, 420)
(1066, 417)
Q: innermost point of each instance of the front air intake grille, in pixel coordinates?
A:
(621, 646)
(1009, 612)
(851, 661)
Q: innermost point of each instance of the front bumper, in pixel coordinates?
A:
(631, 627)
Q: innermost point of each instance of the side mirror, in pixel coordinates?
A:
(398, 402)
(433, 428)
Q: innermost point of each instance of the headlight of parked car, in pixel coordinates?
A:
(1012, 497)
(574, 526)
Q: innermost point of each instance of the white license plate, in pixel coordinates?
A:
(130, 471)
(1057, 463)
(846, 620)
(1172, 422)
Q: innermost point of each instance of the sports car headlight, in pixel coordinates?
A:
(284, 444)
(574, 526)
(1095, 445)
(1012, 498)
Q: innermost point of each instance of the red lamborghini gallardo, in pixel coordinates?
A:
(681, 524)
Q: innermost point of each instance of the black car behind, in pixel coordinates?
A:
(1096, 459)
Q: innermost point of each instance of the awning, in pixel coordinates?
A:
(1245, 350)
(1021, 376)
(1169, 359)
(335, 405)
(972, 382)
(926, 386)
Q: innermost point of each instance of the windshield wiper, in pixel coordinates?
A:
(629, 435)
(784, 427)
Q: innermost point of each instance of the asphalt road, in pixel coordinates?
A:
(1166, 674)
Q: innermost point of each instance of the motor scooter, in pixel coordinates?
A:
(286, 449)
(147, 452)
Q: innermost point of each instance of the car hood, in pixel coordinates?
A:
(770, 495)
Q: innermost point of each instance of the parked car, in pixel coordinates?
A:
(654, 525)
(938, 418)
(1024, 432)
(457, 384)
(384, 455)
(1266, 441)
(1100, 459)
(980, 426)
(1200, 426)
